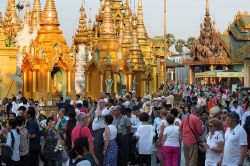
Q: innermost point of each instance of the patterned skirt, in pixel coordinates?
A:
(110, 158)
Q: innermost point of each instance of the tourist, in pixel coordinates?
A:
(14, 144)
(171, 145)
(71, 123)
(98, 127)
(14, 108)
(22, 111)
(238, 109)
(24, 141)
(245, 115)
(76, 155)
(12, 116)
(82, 130)
(235, 148)
(61, 122)
(78, 99)
(214, 143)
(110, 150)
(53, 156)
(145, 133)
(223, 119)
(123, 126)
(174, 112)
(34, 135)
(87, 154)
(191, 129)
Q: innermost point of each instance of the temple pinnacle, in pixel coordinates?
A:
(49, 15)
(142, 34)
(127, 30)
(36, 14)
(27, 17)
(107, 26)
(11, 9)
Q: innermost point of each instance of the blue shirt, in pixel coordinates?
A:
(15, 156)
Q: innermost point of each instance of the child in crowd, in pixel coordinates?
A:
(145, 133)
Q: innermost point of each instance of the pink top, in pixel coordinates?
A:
(196, 125)
(85, 133)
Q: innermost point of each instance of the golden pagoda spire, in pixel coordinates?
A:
(36, 14)
(11, 10)
(27, 17)
(127, 30)
(1, 20)
(135, 51)
(121, 32)
(107, 26)
(207, 6)
(49, 16)
(142, 33)
(81, 35)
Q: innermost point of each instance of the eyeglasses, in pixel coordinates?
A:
(211, 126)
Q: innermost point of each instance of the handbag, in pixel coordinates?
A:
(7, 151)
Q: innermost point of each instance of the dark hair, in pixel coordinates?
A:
(78, 148)
(24, 100)
(22, 108)
(234, 115)
(78, 96)
(86, 143)
(32, 112)
(12, 113)
(235, 102)
(49, 119)
(136, 108)
(13, 125)
(174, 112)
(20, 120)
(144, 117)
(127, 110)
(79, 105)
(108, 119)
(14, 98)
(170, 119)
(72, 115)
(85, 103)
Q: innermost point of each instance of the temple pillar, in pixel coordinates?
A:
(191, 75)
(246, 73)
(87, 83)
(115, 82)
(68, 83)
(172, 74)
(212, 67)
(72, 85)
(25, 80)
(34, 81)
(101, 83)
(129, 82)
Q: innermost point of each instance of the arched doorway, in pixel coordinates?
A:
(58, 81)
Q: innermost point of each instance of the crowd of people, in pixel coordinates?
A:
(209, 123)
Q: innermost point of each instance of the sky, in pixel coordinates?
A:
(183, 16)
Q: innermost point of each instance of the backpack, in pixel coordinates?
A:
(247, 125)
(7, 151)
(71, 163)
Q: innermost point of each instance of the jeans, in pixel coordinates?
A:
(171, 155)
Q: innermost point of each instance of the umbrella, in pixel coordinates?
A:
(15, 77)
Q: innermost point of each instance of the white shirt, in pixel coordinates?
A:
(239, 111)
(212, 156)
(79, 101)
(16, 155)
(173, 136)
(98, 122)
(177, 120)
(157, 123)
(81, 163)
(14, 108)
(245, 115)
(146, 134)
(234, 139)
(113, 132)
(135, 122)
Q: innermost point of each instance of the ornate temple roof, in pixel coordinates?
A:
(82, 33)
(142, 33)
(49, 46)
(208, 49)
(1, 20)
(236, 39)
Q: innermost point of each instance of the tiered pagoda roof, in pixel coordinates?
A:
(208, 49)
(236, 39)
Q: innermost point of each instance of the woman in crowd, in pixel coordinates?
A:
(145, 133)
(14, 144)
(53, 156)
(215, 143)
(76, 156)
(171, 146)
(71, 123)
(110, 150)
(223, 118)
(24, 141)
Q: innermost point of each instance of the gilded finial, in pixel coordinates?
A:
(11, 9)
(107, 26)
(27, 17)
(1, 20)
(36, 14)
(127, 30)
(49, 15)
(142, 33)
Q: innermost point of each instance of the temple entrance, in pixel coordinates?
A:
(58, 81)
(121, 83)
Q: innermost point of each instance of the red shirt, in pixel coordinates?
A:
(85, 133)
(196, 125)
